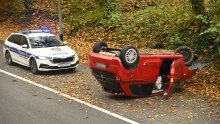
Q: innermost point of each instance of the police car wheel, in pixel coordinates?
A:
(33, 66)
(8, 58)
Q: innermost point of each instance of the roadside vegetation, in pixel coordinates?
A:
(195, 23)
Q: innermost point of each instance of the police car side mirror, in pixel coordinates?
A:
(24, 46)
(65, 43)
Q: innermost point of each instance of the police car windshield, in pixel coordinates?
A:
(45, 41)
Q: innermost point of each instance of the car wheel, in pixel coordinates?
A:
(187, 53)
(98, 46)
(33, 66)
(8, 58)
(157, 45)
(129, 57)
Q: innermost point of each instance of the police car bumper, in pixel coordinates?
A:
(47, 66)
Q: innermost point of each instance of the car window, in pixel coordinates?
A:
(11, 38)
(15, 39)
(45, 41)
(24, 41)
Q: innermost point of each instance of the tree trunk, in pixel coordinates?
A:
(28, 7)
(198, 6)
(199, 9)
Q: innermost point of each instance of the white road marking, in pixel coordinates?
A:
(72, 98)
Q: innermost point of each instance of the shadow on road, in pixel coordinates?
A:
(124, 98)
(43, 73)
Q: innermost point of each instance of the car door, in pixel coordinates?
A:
(177, 70)
(23, 54)
(13, 46)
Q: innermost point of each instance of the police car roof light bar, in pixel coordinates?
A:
(36, 31)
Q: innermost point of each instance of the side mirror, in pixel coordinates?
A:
(65, 43)
(24, 46)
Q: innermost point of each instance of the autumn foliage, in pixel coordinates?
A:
(135, 22)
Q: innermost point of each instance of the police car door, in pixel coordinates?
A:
(23, 54)
(13, 46)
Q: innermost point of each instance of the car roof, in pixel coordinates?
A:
(35, 34)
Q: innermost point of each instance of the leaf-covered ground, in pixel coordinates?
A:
(206, 82)
(197, 101)
(182, 107)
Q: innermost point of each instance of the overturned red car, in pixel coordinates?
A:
(129, 72)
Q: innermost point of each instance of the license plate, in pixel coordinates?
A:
(64, 65)
(101, 65)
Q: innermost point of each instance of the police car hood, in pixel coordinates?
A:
(60, 52)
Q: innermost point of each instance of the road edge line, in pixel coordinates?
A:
(72, 98)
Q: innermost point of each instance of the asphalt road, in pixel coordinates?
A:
(21, 103)
(182, 107)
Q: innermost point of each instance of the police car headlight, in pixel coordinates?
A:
(74, 56)
(44, 58)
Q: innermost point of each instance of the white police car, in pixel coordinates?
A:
(40, 50)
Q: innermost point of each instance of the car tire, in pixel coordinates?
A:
(8, 58)
(157, 45)
(33, 66)
(129, 56)
(98, 46)
(187, 53)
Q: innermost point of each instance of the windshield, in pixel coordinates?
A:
(45, 41)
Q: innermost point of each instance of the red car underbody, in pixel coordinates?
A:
(139, 82)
